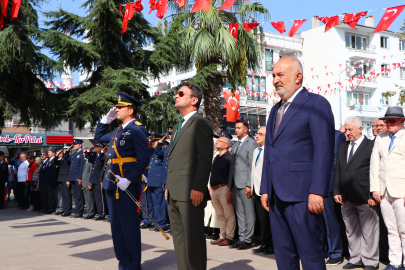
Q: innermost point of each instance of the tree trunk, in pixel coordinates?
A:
(212, 103)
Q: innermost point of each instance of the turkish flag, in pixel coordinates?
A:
(227, 5)
(232, 106)
(251, 25)
(1, 20)
(361, 97)
(138, 6)
(279, 26)
(330, 22)
(297, 24)
(201, 5)
(126, 18)
(5, 2)
(15, 8)
(130, 8)
(161, 9)
(152, 4)
(181, 3)
(234, 29)
(389, 17)
(120, 8)
(353, 19)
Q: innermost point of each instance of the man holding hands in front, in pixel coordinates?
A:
(297, 167)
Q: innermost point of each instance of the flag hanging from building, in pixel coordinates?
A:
(389, 17)
(330, 22)
(250, 25)
(353, 19)
(297, 24)
(232, 106)
(279, 26)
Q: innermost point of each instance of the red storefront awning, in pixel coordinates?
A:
(59, 139)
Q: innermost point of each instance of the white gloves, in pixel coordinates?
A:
(109, 117)
(123, 183)
(145, 179)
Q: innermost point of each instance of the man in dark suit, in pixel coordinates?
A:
(128, 157)
(352, 190)
(47, 179)
(63, 178)
(75, 176)
(3, 178)
(96, 179)
(332, 230)
(297, 167)
(190, 159)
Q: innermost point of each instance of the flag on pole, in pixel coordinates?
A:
(389, 17)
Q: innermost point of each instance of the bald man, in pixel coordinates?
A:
(297, 168)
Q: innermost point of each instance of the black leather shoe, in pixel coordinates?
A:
(107, 219)
(154, 229)
(262, 248)
(244, 246)
(352, 266)
(236, 245)
(64, 215)
(167, 229)
(145, 226)
(268, 251)
(98, 218)
(370, 267)
(88, 217)
(57, 213)
(78, 216)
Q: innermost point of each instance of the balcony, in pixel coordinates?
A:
(360, 50)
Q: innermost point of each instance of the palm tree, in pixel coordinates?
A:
(203, 37)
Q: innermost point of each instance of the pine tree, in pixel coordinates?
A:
(204, 38)
(23, 68)
(115, 62)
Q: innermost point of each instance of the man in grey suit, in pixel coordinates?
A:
(239, 183)
(190, 160)
(87, 187)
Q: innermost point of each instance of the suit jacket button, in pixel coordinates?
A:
(272, 146)
(170, 171)
(269, 162)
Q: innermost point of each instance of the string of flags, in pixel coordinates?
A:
(14, 10)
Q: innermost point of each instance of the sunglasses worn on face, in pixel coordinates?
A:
(182, 94)
(391, 121)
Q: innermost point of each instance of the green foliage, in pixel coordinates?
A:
(401, 99)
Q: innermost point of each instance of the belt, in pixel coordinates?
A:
(218, 186)
(121, 160)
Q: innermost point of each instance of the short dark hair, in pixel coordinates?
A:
(134, 108)
(196, 92)
(246, 124)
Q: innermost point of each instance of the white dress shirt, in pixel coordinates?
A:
(187, 116)
(22, 174)
(257, 176)
(126, 124)
(356, 145)
(292, 98)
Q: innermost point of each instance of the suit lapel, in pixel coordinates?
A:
(292, 109)
(363, 143)
(182, 130)
(272, 120)
(241, 146)
(399, 135)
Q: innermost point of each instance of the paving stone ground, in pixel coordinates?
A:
(30, 240)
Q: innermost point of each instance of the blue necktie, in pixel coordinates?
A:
(258, 155)
(391, 142)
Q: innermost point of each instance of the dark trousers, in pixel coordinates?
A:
(52, 198)
(78, 197)
(99, 199)
(187, 224)
(331, 232)
(66, 197)
(44, 197)
(147, 204)
(22, 195)
(125, 230)
(296, 235)
(89, 199)
(159, 213)
(2, 194)
(106, 209)
(264, 221)
(35, 200)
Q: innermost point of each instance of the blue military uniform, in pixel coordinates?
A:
(146, 201)
(128, 156)
(76, 170)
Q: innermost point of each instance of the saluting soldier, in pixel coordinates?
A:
(64, 169)
(128, 156)
(75, 176)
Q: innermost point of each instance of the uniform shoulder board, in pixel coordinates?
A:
(138, 123)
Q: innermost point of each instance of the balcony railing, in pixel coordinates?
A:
(360, 46)
(269, 65)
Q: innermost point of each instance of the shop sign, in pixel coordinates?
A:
(19, 139)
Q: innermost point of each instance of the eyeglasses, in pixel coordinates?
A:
(391, 121)
(182, 94)
(260, 134)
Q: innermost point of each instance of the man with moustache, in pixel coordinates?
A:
(297, 168)
(374, 128)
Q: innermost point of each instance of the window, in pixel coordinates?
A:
(257, 87)
(269, 60)
(384, 42)
(385, 70)
(385, 100)
(357, 69)
(402, 73)
(357, 98)
(357, 42)
(402, 45)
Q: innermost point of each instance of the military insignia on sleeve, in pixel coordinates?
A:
(122, 142)
(138, 123)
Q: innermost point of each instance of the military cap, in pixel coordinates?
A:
(44, 151)
(170, 129)
(127, 100)
(215, 136)
(23, 153)
(156, 137)
(99, 145)
(52, 149)
(226, 135)
(77, 141)
(65, 146)
(149, 134)
(1, 153)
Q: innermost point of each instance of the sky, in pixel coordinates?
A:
(279, 11)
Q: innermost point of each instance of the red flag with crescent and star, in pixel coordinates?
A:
(294, 28)
(138, 6)
(279, 26)
(232, 106)
(15, 8)
(201, 5)
(227, 5)
(5, 2)
(330, 22)
(234, 29)
(353, 19)
(389, 17)
(250, 25)
(181, 3)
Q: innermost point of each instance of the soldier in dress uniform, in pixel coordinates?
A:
(157, 174)
(75, 176)
(146, 199)
(64, 169)
(169, 132)
(128, 156)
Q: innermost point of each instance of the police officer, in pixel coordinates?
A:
(64, 169)
(75, 176)
(96, 179)
(157, 174)
(128, 156)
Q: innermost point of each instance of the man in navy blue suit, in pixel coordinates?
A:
(128, 157)
(297, 168)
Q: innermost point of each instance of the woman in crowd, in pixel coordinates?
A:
(31, 169)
